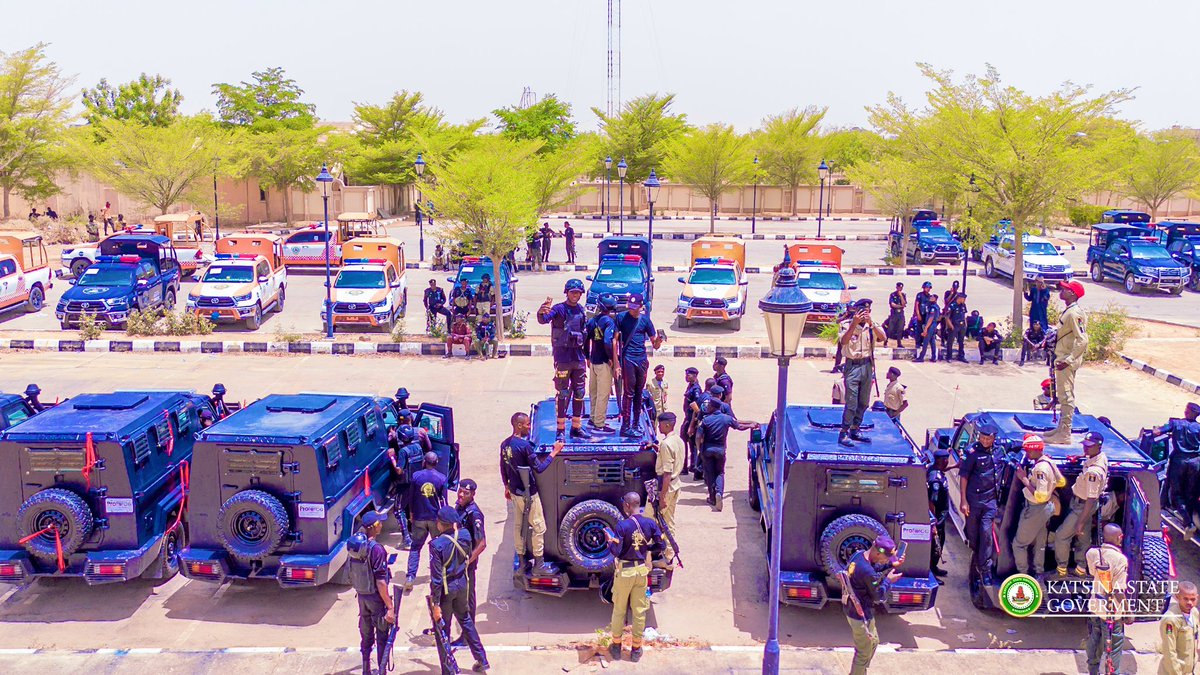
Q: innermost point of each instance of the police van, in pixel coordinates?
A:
(581, 493)
(96, 487)
(836, 501)
(278, 487)
(1131, 499)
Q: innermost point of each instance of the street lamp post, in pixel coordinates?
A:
(754, 204)
(971, 191)
(823, 173)
(419, 165)
(621, 169)
(652, 186)
(216, 204)
(324, 178)
(606, 203)
(785, 309)
(829, 205)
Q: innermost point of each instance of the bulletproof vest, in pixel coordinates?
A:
(939, 490)
(361, 577)
(571, 334)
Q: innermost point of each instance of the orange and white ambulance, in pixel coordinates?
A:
(371, 289)
(246, 279)
(24, 272)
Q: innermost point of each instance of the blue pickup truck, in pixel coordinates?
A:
(1134, 255)
(473, 268)
(624, 270)
(1183, 244)
(134, 272)
(928, 241)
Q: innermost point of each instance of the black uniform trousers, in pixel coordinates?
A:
(713, 460)
(939, 541)
(958, 332)
(458, 604)
(372, 626)
(979, 536)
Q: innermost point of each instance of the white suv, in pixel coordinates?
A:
(1040, 258)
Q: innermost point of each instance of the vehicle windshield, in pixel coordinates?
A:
(219, 273)
(823, 280)
(1149, 253)
(106, 276)
(473, 273)
(1040, 248)
(360, 279)
(934, 231)
(723, 277)
(620, 272)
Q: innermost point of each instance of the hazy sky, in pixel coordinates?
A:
(726, 61)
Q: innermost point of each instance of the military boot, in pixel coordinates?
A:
(367, 664)
(538, 563)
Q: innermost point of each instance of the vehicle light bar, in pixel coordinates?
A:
(472, 259)
(711, 261)
(363, 261)
(618, 257)
(126, 259)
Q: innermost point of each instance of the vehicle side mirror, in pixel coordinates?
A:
(450, 279)
(756, 435)
(263, 279)
(588, 277)
(71, 281)
(395, 284)
(682, 280)
(943, 442)
(143, 283)
(852, 288)
(513, 281)
(651, 279)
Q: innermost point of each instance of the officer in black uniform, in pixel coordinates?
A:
(957, 312)
(939, 506)
(448, 556)
(978, 479)
(31, 397)
(472, 522)
(375, 610)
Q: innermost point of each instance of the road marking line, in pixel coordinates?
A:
(254, 650)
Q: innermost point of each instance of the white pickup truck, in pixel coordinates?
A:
(1040, 258)
(246, 279)
(24, 272)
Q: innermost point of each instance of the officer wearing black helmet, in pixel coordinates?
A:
(404, 451)
(568, 337)
(369, 574)
(218, 401)
(31, 397)
(978, 482)
(402, 399)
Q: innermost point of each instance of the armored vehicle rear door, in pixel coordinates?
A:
(1137, 510)
(438, 422)
(258, 468)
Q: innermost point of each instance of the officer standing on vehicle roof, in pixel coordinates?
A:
(517, 453)
(978, 482)
(370, 575)
(939, 506)
(691, 398)
(602, 351)
(635, 329)
(1085, 497)
(473, 523)
(872, 572)
(448, 556)
(1039, 481)
(427, 493)
(633, 544)
(1179, 631)
(1185, 447)
(857, 336)
(1069, 351)
(567, 336)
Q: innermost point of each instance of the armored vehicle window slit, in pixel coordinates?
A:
(353, 438)
(183, 420)
(162, 432)
(333, 452)
(857, 482)
(55, 460)
(142, 444)
(371, 424)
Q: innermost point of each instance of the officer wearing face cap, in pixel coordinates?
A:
(872, 572)
(1069, 350)
(978, 482)
(857, 336)
(1085, 499)
(449, 555)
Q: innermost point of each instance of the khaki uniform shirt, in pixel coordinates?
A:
(1107, 583)
(1043, 402)
(1179, 635)
(658, 391)
(1072, 337)
(860, 342)
(894, 395)
(1090, 483)
(670, 459)
(1043, 478)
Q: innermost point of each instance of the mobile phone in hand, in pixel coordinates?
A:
(901, 549)
(662, 335)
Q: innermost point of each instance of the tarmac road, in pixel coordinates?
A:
(718, 598)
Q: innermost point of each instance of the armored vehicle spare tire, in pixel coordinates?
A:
(1156, 566)
(252, 524)
(581, 534)
(61, 509)
(844, 537)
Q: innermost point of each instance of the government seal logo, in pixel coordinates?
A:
(1020, 595)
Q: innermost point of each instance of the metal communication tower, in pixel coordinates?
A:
(528, 98)
(614, 57)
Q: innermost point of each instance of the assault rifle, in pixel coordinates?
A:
(441, 636)
(385, 663)
(652, 498)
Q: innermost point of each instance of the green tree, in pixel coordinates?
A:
(711, 159)
(1160, 167)
(1029, 154)
(149, 100)
(287, 159)
(34, 113)
(160, 166)
(640, 134)
(487, 198)
(899, 185)
(788, 148)
(549, 120)
(556, 174)
(271, 101)
(847, 148)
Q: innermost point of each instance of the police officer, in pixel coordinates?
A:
(1109, 571)
(218, 400)
(472, 522)
(978, 479)
(426, 494)
(635, 330)
(401, 400)
(632, 545)
(1039, 302)
(857, 336)
(929, 326)
(1045, 400)
(448, 584)
(435, 304)
(668, 465)
(403, 450)
(1179, 630)
(569, 238)
(516, 454)
(1040, 479)
(1185, 448)
(375, 610)
(957, 312)
(567, 336)
(713, 439)
(921, 302)
(894, 326)
(602, 350)
(32, 392)
(872, 572)
(723, 378)
(691, 402)
(939, 506)
(462, 298)
(1069, 350)
(1085, 499)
